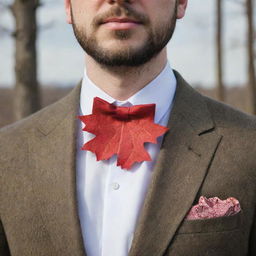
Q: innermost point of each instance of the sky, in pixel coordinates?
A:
(191, 50)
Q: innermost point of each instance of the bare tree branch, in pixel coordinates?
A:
(27, 97)
(219, 50)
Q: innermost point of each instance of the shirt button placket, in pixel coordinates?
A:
(111, 199)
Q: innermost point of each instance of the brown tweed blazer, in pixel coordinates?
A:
(210, 150)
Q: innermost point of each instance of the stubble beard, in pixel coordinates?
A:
(156, 40)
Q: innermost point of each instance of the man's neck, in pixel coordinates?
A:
(123, 82)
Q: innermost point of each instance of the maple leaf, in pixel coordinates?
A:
(122, 131)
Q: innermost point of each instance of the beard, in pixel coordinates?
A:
(157, 38)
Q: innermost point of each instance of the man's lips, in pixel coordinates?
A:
(120, 23)
(121, 20)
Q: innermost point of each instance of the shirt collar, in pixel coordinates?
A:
(159, 91)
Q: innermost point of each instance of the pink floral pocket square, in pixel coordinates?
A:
(213, 208)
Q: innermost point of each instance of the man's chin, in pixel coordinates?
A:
(125, 44)
(119, 50)
(113, 53)
(115, 60)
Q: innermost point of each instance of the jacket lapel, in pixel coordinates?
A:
(185, 155)
(52, 151)
(183, 161)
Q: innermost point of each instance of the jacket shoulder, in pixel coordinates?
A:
(44, 117)
(45, 120)
(226, 116)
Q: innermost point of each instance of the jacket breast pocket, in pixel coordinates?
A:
(220, 224)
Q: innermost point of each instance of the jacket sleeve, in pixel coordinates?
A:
(4, 249)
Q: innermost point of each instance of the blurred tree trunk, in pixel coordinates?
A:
(26, 98)
(250, 50)
(219, 51)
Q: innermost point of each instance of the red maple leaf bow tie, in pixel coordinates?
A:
(122, 131)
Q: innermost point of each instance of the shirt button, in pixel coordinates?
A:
(115, 186)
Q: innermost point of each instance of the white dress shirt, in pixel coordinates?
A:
(110, 198)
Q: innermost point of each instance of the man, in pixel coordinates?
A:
(190, 191)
